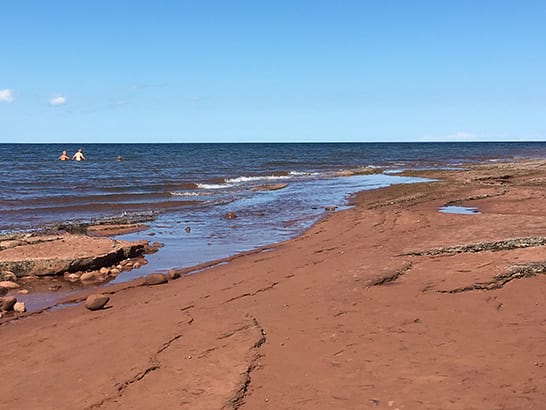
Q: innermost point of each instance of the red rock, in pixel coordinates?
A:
(155, 279)
(88, 276)
(96, 301)
(173, 274)
(8, 284)
(7, 303)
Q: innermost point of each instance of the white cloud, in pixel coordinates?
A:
(59, 100)
(6, 96)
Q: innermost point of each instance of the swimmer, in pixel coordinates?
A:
(119, 158)
(64, 157)
(78, 156)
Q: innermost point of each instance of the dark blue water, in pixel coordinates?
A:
(37, 189)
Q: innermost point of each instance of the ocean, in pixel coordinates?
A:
(195, 185)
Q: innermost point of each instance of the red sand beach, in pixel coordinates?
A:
(387, 305)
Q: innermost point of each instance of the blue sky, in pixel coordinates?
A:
(241, 71)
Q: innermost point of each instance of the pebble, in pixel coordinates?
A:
(136, 265)
(24, 292)
(114, 271)
(20, 307)
(7, 303)
(104, 271)
(87, 276)
(173, 274)
(96, 301)
(8, 275)
(155, 279)
(8, 284)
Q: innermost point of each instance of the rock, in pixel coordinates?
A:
(104, 271)
(155, 279)
(20, 307)
(173, 274)
(136, 265)
(270, 187)
(330, 208)
(3, 291)
(187, 229)
(96, 301)
(55, 288)
(8, 284)
(24, 292)
(7, 303)
(88, 276)
(114, 271)
(230, 215)
(8, 275)
(72, 277)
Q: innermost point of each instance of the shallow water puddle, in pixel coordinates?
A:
(461, 210)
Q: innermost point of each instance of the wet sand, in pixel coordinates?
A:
(390, 304)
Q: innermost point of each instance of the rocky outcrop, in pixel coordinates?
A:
(60, 254)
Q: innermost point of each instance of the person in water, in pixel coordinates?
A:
(64, 157)
(78, 156)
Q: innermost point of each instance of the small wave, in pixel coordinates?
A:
(255, 178)
(213, 186)
(188, 194)
(303, 174)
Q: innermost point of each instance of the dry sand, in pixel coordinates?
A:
(387, 305)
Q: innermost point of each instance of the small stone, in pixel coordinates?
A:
(330, 208)
(8, 275)
(173, 274)
(87, 276)
(19, 307)
(155, 279)
(187, 229)
(114, 271)
(8, 284)
(136, 265)
(7, 303)
(230, 215)
(96, 301)
(104, 271)
(23, 292)
(55, 288)
(72, 277)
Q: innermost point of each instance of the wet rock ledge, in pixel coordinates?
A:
(47, 255)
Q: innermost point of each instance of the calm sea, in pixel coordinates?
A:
(196, 184)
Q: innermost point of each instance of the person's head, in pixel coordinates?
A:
(64, 152)
(79, 150)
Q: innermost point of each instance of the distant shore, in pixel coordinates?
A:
(388, 304)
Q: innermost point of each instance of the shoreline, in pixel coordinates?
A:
(353, 313)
